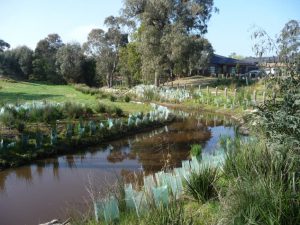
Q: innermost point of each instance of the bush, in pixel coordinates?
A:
(114, 110)
(7, 118)
(118, 111)
(51, 114)
(202, 184)
(101, 108)
(112, 98)
(127, 98)
(72, 110)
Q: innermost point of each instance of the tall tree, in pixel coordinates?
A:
(44, 67)
(17, 61)
(160, 17)
(3, 45)
(105, 46)
(69, 61)
(130, 63)
(24, 56)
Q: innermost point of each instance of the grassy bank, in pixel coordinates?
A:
(255, 185)
(22, 154)
(20, 92)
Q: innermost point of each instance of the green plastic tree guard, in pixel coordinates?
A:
(129, 196)
(111, 210)
(161, 195)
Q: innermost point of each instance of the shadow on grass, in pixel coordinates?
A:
(13, 97)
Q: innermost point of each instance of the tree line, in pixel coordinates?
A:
(151, 40)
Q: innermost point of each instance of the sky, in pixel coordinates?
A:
(25, 22)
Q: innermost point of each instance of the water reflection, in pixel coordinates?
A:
(63, 179)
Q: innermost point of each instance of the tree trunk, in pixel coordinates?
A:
(108, 80)
(156, 79)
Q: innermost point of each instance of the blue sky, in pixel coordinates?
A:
(28, 21)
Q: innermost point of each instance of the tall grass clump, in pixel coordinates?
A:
(73, 110)
(202, 184)
(127, 98)
(196, 151)
(263, 186)
(173, 214)
(110, 109)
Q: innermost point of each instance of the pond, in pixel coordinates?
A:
(45, 189)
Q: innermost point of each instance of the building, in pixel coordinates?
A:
(229, 66)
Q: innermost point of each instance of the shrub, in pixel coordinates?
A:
(101, 108)
(51, 114)
(118, 111)
(114, 110)
(112, 98)
(72, 110)
(127, 98)
(202, 184)
(7, 118)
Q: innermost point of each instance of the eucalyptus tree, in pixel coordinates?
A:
(105, 46)
(24, 56)
(166, 27)
(69, 62)
(44, 67)
(130, 63)
(280, 118)
(17, 61)
(200, 52)
(3, 45)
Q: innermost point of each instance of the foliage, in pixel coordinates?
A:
(130, 63)
(263, 185)
(17, 61)
(3, 45)
(169, 33)
(103, 108)
(196, 150)
(44, 67)
(69, 59)
(112, 98)
(202, 184)
(126, 99)
(44, 112)
(104, 46)
(280, 120)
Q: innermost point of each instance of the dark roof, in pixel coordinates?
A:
(222, 60)
(218, 59)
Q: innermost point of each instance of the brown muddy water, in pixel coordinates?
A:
(44, 190)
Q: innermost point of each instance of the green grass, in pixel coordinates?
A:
(13, 92)
(20, 92)
(128, 107)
